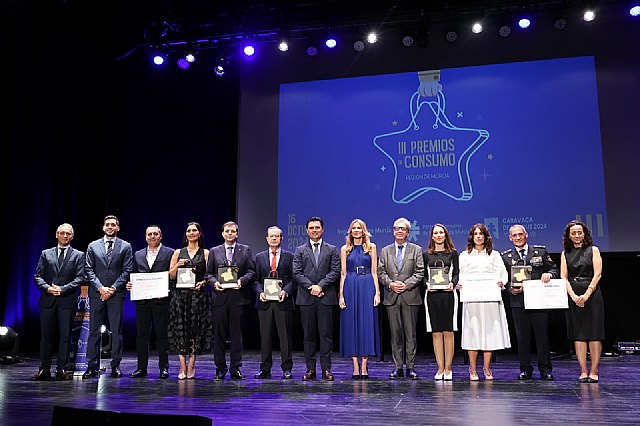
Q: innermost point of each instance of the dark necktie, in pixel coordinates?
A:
(316, 252)
(229, 255)
(274, 261)
(523, 256)
(109, 251)
(61, 256)
(399, 258)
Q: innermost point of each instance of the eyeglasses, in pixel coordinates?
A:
(399, 228)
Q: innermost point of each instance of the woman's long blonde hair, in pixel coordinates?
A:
(366, 240)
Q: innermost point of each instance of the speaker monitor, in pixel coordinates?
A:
(69, 415)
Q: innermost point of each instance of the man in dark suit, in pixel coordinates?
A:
(228, 303)
(109, 262)
(59, 274)
(316, 270)
(275, 263)
(542, 268)
(155, 258)
(400, 273)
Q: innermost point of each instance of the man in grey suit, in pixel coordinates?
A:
(316, 270)
(59, 274)
(400, 272)
(109, 262)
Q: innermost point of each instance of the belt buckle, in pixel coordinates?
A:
(360, 270)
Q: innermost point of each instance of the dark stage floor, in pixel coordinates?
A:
(616, 399)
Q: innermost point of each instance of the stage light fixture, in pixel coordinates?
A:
(372, 38)
(9, 344)
(358, 45)
(158, 59)
(451, 36)
(504, 31)
(249, 50)
(190, 57)
(331, 43)
(560, 24)
(476, 28)
(312, 51)
(634, 11)
(407, 41)
(183, 64)
(219, 67)
(283, 46)
(524, 23)
(589, 15)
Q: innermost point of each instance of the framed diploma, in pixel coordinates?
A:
(272, 288)
(228, 276)
(438, 278)
(551, 295)
(186, 278)
(520, 274)
(479, 288)
(152, 285)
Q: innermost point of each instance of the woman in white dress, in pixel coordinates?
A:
(484, 324)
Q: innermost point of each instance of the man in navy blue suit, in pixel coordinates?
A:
(316, 270)
(109, 262)
(275, 263)
(156, 257)
(228, 303)
(59, 274)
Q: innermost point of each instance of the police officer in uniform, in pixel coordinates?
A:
(542, 268)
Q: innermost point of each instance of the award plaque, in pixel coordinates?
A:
(438, 277)
(272, 287)
(228, 276)
(186, 278)
(519, 274)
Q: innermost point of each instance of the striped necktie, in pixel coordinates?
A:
(109, 251)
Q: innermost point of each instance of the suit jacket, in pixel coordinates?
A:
(540, 262)
(161, 264)
(326, 273)
(243, 259)
(285, 273)
(411, 273)
(69, 276)
(103, 274)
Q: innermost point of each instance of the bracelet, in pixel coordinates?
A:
(592, 287)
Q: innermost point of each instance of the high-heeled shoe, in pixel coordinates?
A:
(592, 378)
(191, 374)
(365, 374)
(448, 376)
(473, 376)
(487, 374)
(182, 376)
(439, 376)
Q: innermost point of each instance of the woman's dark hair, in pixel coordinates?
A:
(488, 242)
(185, 241)
(566, 240)
(448, 244)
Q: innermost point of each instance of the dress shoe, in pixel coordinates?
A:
(545, 375)
(439, 376)
(396, 374)
(220, 375)
(473, 376)
(90, 372)
(262, 375)
(411, 374)
(448, 376)
(309, 375)
(191, 374)
(287, 375)
(327, 375)
(355, 376)
(236, 375)
(584, 379)
(182, 376)
(524, 375)
(164, 373)
(592, 379)
(115, 372)
(41, 376)
(62, 375)
(138, 374)
(364, 376)
(488, 375)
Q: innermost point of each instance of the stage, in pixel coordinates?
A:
(616, 399)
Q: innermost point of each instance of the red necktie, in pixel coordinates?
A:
(274, 262)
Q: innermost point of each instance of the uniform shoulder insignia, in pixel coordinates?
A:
(539, 246)
(506, 251)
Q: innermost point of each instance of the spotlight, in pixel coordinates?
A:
(331, 43)
(477, 28)
(634, 11)
(504, 31)
(183, 64)
(560, 24)
(312, 51)
(158, 60)
(524, 23)
(219, 67)
(407, 41)
(283, 46)
(9, 342)
(589, 15)
(451, 36)
(190, 57)
(249, 50)
(372, 38)
(358, 45)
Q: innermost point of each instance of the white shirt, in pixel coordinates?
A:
(480, 263)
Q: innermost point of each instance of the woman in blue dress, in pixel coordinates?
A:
(359, 299)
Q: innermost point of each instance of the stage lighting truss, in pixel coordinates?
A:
(9, 341)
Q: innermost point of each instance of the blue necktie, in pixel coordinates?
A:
(400, 256)
(109, 251)
(316, 252)
(229, 255)
(523, 256)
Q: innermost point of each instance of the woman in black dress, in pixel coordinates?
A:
(190, 321)
(581, 267)
(441, 306)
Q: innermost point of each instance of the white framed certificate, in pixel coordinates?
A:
(551, 295)
(149, 285)
(479, 288)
